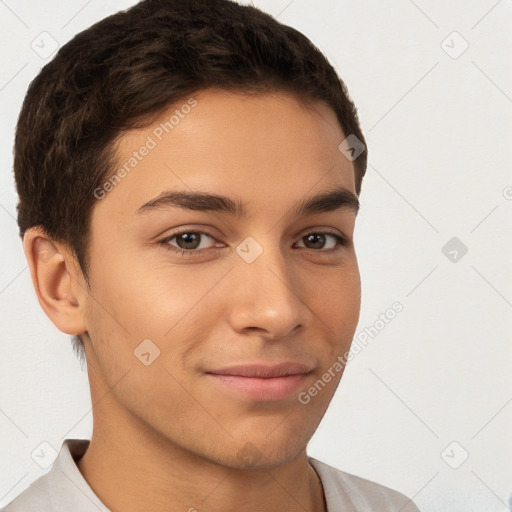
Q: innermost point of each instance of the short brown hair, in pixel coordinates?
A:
(123, 71)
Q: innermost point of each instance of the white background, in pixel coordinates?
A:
(438, 127)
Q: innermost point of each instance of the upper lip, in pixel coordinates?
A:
(264, 371)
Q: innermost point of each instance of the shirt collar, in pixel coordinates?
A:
(67, 484)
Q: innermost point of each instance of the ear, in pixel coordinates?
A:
(58, 282)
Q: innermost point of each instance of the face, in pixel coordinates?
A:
(210, 317)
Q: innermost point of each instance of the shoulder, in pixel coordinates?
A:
(346, 491)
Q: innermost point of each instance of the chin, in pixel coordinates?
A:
(260, 452)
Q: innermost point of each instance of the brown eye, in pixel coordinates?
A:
(317, 241)
(187, 242)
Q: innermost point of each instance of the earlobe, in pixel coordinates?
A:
(55, 282)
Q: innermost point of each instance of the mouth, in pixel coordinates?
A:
(262, 382)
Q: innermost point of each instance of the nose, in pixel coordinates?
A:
(266, 297)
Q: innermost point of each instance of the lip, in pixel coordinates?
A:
(262, 382)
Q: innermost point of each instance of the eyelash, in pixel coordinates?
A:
(342, 242)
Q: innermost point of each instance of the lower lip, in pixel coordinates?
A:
(268, 390)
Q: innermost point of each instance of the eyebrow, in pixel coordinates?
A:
(335, 199)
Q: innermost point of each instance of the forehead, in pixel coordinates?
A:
(267, 146)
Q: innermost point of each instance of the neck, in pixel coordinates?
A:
(129, 471)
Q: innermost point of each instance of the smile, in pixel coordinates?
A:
(260, 382)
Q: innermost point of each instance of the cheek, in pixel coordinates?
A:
(137, 299)
(337, 296)
(338, 305)
(132, 303)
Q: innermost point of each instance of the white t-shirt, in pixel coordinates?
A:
(64, 489)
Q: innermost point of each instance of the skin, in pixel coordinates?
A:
(164, 435)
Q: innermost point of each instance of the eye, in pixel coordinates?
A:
(189, 243)
(316, 239)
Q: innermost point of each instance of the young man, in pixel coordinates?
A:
(189, 173)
